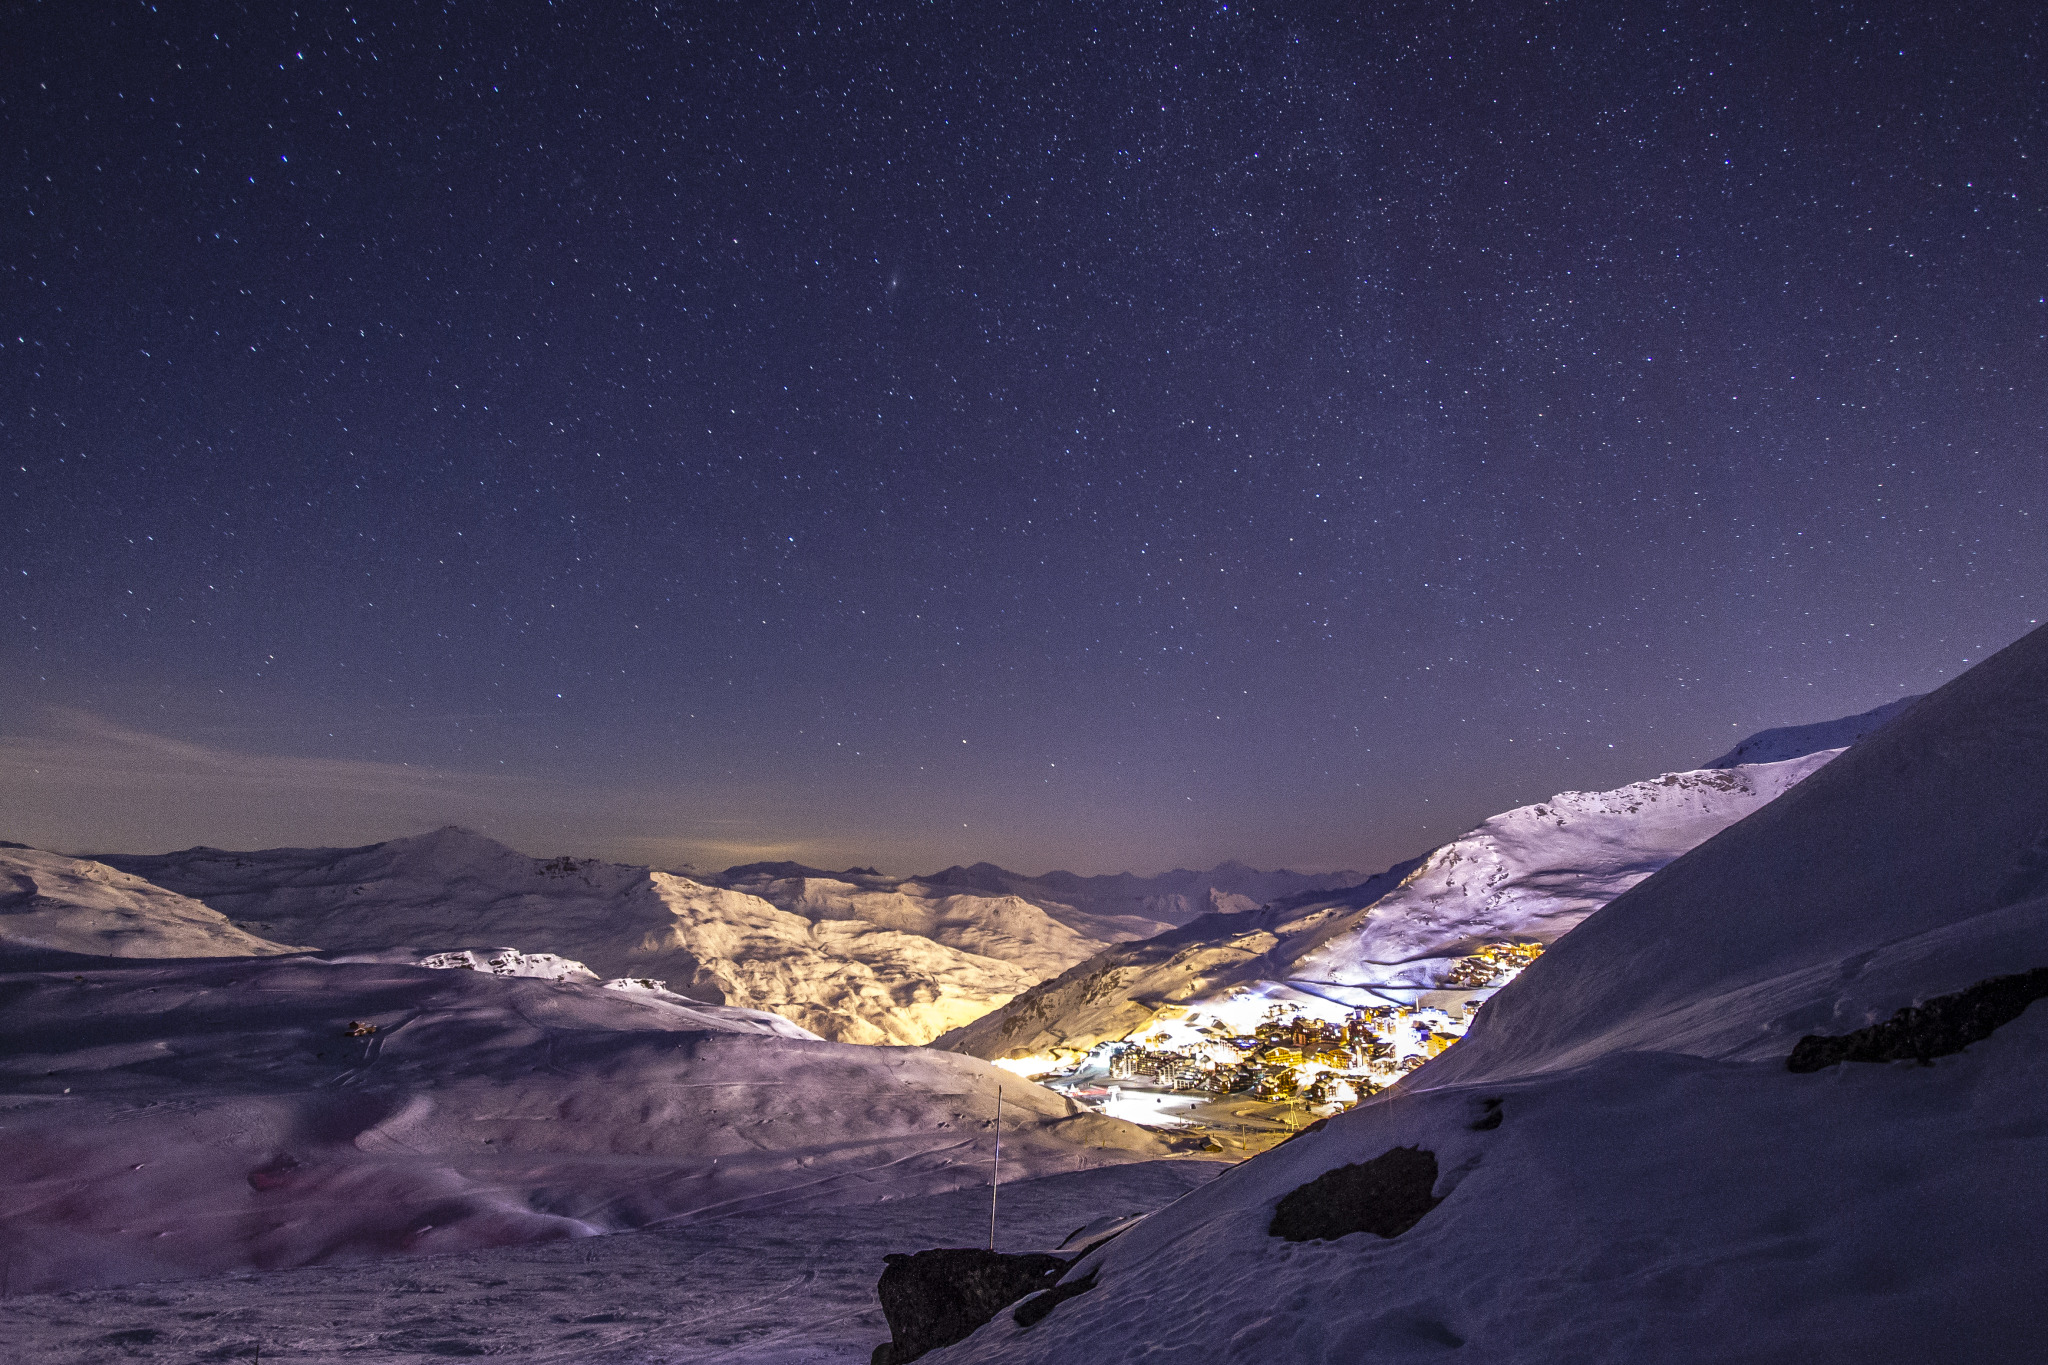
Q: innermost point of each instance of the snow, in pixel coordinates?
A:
(853, 956)
(203, 1116)
(76, 905)
(1660, 1187)
(1008, 928)
(841, 976)
(510, 962)
(1529, 874)
(1128, 906)
(791, 1287)
(1797, 741)
(1533, 873)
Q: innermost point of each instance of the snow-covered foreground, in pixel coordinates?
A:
(1628, 1170)
(792, 1287)
(194, 1117)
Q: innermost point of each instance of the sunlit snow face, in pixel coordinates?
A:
(1149, 1107)
(1038, 1064)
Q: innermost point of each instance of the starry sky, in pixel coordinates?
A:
(1102, 436)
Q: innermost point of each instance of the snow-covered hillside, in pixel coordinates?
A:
(76, 905)
(1529, 875)
(193, 1117)
(1619, 1165)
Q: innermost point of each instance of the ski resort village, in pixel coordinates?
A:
(1302, 1057)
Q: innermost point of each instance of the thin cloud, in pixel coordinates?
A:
(84, 783)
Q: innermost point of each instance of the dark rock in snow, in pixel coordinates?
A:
(1489, 1120)
(1385, 1196)
(935, 1298)
(1945, 1024)
(1034, 1309)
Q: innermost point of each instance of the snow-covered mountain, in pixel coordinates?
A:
(1528, 875)
(1621, 1163)
(854, 956)
(76, 905)
(903, 980)
(163, 1119)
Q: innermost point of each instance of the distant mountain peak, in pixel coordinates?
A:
(450, 840)
(777, 870)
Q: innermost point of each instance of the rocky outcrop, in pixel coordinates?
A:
(1385, 1196)
(1920, 1033)
(935, 1298)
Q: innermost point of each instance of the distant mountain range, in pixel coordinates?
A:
(859, 956)
(854, 956)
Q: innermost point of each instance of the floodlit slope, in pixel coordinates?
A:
(1535, 872)
(845, 978)
(75, 905)
(1004, 927)
(1529, 874)
(841, 976)
(165, 1119)
(1628, 1170)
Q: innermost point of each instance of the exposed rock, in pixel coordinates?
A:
(1945, 1024)
(1385, 1196)
(1035, 1308)
(935, 1298)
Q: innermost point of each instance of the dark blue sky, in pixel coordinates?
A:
(1073, 435)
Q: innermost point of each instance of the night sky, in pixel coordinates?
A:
(1091, 436)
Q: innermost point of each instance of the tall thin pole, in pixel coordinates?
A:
(995, 1171)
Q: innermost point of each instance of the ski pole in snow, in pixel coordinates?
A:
(995, 1171)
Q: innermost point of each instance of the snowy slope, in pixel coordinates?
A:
(75, 905)
(1628, 1170)
(1529, 874)
(193, 1117)
(1795, 741)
